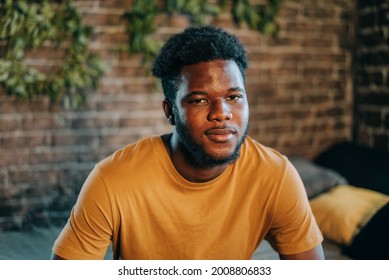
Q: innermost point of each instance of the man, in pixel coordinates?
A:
(206, 191)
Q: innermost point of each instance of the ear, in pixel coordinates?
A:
(168, 109)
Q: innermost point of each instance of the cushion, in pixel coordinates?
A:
(361, 166)
(372, 242)
(344, 210)
(316, 179)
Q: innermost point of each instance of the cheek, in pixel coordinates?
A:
(247, 113)
(195, 121)
(191, 116)
(242, 113)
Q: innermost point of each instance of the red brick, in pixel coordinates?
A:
(51, 157)
(303, 113)
(287, 11)
(47, 52)
(263, 57)
(93, 156)
(118, 140)
(38, 104)
(317, 71)
(107, 55)
(299, 85)
(280, 129)
(140, 122)
(9, 123)
(284, 42)
(18, 140)
(306, 27)
(339, 126)
(339, 29)
(109, 37)
(39, 122)
(73, 139)
(135, 87)
(10, 157)
(314, 127)
(123, 71)
(330, 112)
(93, 19)
(319, 12)
(180, 21)
(329, 57)
(6, 104)
(289, 70)
(94, 122)
(130, 106)
(31, 177)
(317, 43)
(117, 4)
(295, 57)
(314, 99)
(262, 116)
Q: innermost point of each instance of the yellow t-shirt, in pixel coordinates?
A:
(138, 201)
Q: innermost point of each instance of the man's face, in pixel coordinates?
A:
(211, 112)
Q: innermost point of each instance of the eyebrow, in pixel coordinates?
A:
(199, 92)
(237, 89)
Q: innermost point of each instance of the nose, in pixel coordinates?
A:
(219, 111)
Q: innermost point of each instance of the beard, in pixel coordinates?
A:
(198, 153)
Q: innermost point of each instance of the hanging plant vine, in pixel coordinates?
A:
(141, 19)
(26, 25)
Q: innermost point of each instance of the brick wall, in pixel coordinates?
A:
(299, 83)
(372, 75)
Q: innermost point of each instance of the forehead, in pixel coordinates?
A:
(212, 73)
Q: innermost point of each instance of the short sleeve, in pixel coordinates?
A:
(88, 232)
(293, 229)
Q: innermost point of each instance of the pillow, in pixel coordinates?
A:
(372, 242)
(341, 212)
(361, 166)
(316, 179)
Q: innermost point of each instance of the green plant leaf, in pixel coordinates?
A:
(29, 24)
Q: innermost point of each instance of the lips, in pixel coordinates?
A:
(218, 134)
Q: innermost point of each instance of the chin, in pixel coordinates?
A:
(221, 155)
(216, 158)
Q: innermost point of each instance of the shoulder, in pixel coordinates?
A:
(139, 154)
(263, 168)
(144, 145)
(270, 169)
(134, 150)
(275, 164)
(255, 154)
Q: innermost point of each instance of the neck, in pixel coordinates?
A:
(185, 166)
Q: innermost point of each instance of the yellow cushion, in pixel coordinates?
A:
(344, 210)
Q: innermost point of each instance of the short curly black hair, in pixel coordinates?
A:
(194, 45)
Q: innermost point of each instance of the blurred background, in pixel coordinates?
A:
(317, 76)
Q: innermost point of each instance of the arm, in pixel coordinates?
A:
(313, 254)
(88, 232)
(294, 230)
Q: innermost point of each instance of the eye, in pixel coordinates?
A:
(234, 98)
(199, 101)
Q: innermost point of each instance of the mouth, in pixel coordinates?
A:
(220, 134)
